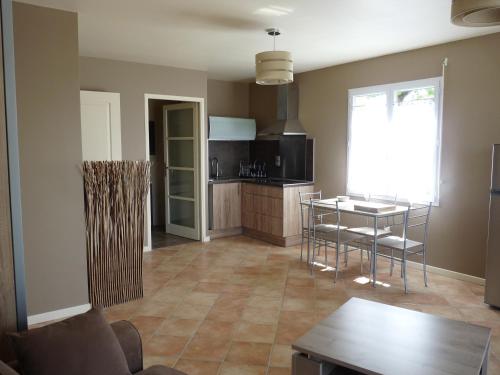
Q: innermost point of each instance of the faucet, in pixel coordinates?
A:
(217, 171)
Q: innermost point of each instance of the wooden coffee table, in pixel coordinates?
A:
(373, 338)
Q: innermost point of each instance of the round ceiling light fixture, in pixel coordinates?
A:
(273, 67)
(475, 13)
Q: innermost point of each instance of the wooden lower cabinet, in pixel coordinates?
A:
(226, 210)
(272, 213)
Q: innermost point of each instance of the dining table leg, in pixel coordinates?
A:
(374, 255)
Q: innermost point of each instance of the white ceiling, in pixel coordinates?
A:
(222, 36)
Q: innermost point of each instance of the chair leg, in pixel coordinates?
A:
(392, 262)
(313, 259)
(308, 250)
(326, 255)
(403, 268)
(371, 262)
(361, 260)
(337, 252)
(425, 267)
(302, 245)
(346, 255)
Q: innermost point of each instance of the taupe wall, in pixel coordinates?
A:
(227, 98)
(48, 99)
(132, 81)
(471, 125)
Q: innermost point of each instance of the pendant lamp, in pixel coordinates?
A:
(273, 67)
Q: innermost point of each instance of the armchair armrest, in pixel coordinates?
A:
(130, 341)
(6, 370)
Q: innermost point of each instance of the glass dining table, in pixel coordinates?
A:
(371, 210)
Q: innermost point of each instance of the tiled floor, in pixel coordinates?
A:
(233, 306)
(160, 239)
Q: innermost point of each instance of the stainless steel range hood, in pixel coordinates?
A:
(287, 116)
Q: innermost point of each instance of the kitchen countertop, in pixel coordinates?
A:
(270, 181)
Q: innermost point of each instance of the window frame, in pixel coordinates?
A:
(389, 90)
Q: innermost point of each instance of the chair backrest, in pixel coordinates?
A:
(328, 213)
(418, 216)
(416, 219)
(304, 203)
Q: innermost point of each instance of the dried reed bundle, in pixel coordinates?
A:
(115, 198)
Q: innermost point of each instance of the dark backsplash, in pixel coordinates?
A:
(265, 151)
(295, 152)
(229, 154)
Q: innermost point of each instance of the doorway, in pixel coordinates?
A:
(174, 133)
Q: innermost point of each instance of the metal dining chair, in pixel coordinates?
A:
(367, 232)
(306, 219)
(338, 237)
(417, 216)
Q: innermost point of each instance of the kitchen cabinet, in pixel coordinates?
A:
(231, 129)
(226, 206)
(272, 213)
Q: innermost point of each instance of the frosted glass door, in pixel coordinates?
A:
(181, 175)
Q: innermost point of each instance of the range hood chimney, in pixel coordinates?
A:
(287, 122)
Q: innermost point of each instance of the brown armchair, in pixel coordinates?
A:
(131, 344)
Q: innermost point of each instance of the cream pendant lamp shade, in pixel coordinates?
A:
(475, 13)
(273, 67)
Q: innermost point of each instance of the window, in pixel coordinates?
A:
(394, 141)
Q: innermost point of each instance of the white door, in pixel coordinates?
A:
(101, 125)
(182, 170)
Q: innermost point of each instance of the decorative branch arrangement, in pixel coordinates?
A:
(115, 199)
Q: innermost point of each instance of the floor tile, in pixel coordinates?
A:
(190, 311)
(248, 353)
(260, 315)
(147, 325)
(215, 328)
(159, 360)
(265, 302)
(235, 305)
(179, 327)
(156, 308)
(298, 304)
(279, 371)
(281, 356)
(251, 332)
(201, 298)
(237, 369)
(194, 367)
(207, 348)
(165, 345)
(225, 314)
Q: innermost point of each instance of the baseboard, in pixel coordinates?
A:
(57, 314)
(221, 233)
(448, 273)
